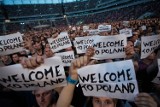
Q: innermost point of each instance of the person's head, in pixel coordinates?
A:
(47, 45)
(37, 44)
(149, 29)
(15, 58)
(114, 31)
(104, 102)
(48, 52)
(5, 58)
(130, 43)
(43, 97)
(134, 37)
(24, 52)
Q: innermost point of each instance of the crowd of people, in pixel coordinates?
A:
(37, 47)
(119, 14)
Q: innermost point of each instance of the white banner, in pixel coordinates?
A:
(93, 32)
(59, 43)
(11, 43)
(66, 57)
(149, 44)
(114, 80)
(82, 43)
(104, 28)
(48, 76)
(106, 47)
(126, 31)
(157, 79)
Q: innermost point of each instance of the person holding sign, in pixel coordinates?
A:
(66, 95)
(38, 47)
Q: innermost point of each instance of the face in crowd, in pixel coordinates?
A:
(135, 36)
(103, 102)
(43, 97)
(37, 45)
(48, 52)
(15, 58)
(6, 59)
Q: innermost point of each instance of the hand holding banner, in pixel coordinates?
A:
(114, 80)
(48, 76)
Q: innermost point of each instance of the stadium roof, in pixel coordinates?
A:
(23, 2)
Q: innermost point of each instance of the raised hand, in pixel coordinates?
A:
(81, 61)
(145, 100)
(32, 62)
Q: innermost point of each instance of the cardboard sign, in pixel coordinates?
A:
(59, 43)
(104, 28)
(48, 76)
(106, 47)
(93, 32)
(82, 43)
(149, 44)
(114, 80)
(157, 79)
(11, 44)
(66, 57)
(85, 28)
(126, 31)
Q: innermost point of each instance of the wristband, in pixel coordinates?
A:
(72, 81)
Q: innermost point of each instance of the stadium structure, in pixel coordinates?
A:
(21, 14)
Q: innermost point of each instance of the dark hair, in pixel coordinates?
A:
(90, 104)
(54, 99)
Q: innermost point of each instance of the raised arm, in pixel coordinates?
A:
(67, 92)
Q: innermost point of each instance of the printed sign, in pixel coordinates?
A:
(59, 43)
(66, 57)
(126, 31)
(48, 76)
(104, 28)
(106, 47)
(149, 44)
(93, 32)
(114, 80)
(11, 44)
